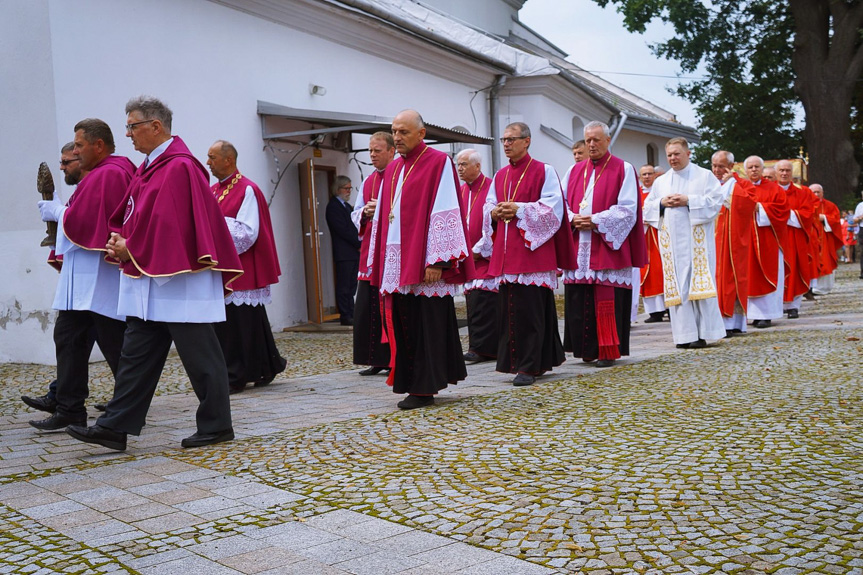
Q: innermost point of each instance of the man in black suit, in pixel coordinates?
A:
(346, 247)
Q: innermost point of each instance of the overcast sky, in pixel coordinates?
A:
(596, 40)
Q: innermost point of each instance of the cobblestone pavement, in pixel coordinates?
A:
(745, 457)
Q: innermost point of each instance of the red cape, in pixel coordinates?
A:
(260, 262)
(610, 173)
(171, 221)
(417, 200)
(652, 280)
(764, 255)
(798, 249)
(734, 235)
(473, 197)
(100, 193)
(828, 242)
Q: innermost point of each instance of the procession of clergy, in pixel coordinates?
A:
(196, 264)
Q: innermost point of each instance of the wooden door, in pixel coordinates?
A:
(317, 251)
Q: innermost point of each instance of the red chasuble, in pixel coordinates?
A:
(417, 200)
(260, 262)
(523, 182)
(609, 175)
(171, 221)
(472, 200)
(371, 191)
(652, 282)
(734, 233)
(828, 242)
(764, 255)
(798, 247)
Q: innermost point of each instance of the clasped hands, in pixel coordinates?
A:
(675, 201)
(581, 223)
(369, 209)
(116, 247)
(504, 211)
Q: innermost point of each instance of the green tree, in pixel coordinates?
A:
(764, 58)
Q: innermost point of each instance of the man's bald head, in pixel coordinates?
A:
(754, 167)
(408, 131)
(784, 172)
(412, 117)
(817, 190)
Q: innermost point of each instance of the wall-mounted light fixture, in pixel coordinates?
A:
(316, 90)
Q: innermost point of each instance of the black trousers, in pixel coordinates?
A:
(73, 342)
(483, 322)
(368, 349)
(428, 348)
(529, 338)
(246, 339)
(91, 341)
(579, 334)
(145, 348)
(346, 287)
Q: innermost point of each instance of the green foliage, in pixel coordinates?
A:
(747, 103)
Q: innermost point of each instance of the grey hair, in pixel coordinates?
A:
(152, 109)
(523, 129)
(339, 182)
(226, 148)
(471, 155)
(729, 157)
(594, 124)
(760, 161)
(67, 147)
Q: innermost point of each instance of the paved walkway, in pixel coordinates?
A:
(745, 457)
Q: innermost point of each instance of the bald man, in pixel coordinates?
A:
(799, 245)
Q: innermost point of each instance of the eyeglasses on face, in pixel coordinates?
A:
(130, 127)
(67, 162)
(511, 140)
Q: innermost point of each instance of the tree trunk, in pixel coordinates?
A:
(828, 62)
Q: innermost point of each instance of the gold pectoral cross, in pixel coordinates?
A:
(392, 217)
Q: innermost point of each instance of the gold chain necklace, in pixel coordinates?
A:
(584, 189)
(467, 199)
(395, 196)
(509, 197)
(228, 189)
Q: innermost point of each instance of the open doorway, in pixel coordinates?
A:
(315, 182)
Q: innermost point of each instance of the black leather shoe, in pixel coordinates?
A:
(99, 435)
(100, 406)
(234, 389)
(523, 379)
(373, 370)
(43, 403)
(793, 314)
(58, 422)
(605, 363)
(655, 317)
(265, 382)
(415, 401)
(762, 323)
(682, 346)
(698, 344)
(472, 356)
(202, 439)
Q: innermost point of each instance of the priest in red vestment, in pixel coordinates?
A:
(652, 284)
(799, 247)
(86, 297)
(734, 230)
(606, 219)
(420, 255)
(828, 231)
(369, 349)
(177, 260)
(481, 294)
(766, 262)
(246, 336)
(526, 240)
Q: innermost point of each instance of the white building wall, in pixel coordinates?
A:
(210, 64)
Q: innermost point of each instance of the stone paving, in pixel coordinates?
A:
(745, 457)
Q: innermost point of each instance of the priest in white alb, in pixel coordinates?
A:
(683, 205)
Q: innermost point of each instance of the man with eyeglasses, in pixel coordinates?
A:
(421, 257)
(606, 221)
(246, 336)
(177, 260)
(88, 287)
(368, 348)
(526, 241)
(346, 247)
